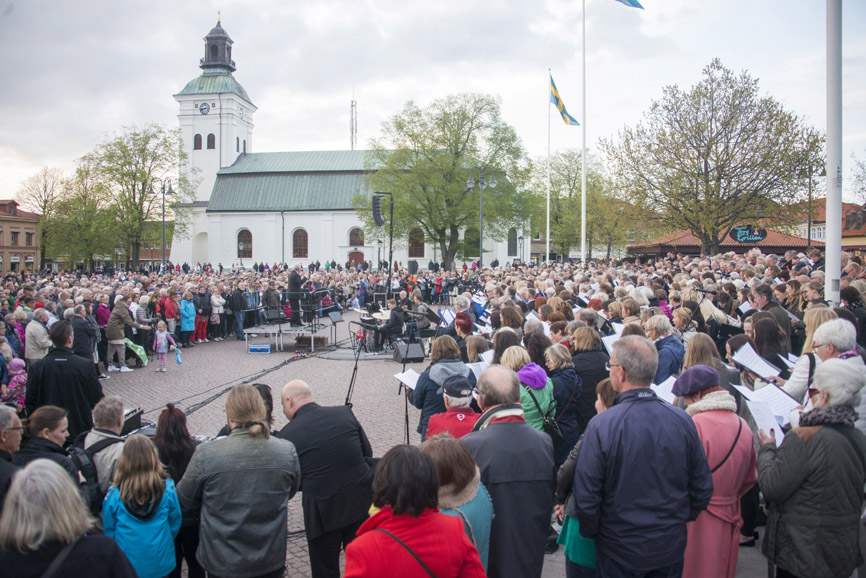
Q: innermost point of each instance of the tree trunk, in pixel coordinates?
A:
(136, 251)
(609, 246)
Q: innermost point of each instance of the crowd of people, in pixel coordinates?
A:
(541, 426)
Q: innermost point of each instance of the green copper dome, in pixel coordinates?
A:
(215, 82)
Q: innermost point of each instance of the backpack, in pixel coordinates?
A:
(83, 460)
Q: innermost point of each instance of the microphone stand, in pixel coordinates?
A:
(351, 388)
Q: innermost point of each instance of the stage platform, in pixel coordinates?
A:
(277, 332)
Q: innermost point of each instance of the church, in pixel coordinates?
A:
(275, 207)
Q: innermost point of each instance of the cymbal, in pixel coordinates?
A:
(381, 315)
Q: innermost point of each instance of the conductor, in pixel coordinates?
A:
(295, 284)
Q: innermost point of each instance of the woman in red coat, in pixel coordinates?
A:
(408, 537)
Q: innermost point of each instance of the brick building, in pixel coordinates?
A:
(19, 239)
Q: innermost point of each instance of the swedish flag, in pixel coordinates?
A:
(557, 102)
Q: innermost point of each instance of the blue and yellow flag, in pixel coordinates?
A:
(557, 102)
(631, 3)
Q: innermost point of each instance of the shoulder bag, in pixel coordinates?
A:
(408, 549)
(549, 424)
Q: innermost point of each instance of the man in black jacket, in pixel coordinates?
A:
(295, 284)
(84, 333)
(394, 325)
(239, 306)
(64, 379)
(336, 480)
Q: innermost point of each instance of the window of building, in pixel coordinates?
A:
(214, 52)
(245, 145)
(28, 239)
(14, 237)
(237, 144)
(512, 242)
(196, 142)
(849, 220)
(536, 236)
(356, 237)
(245, 244)
(416, 244)
(859, 219)
(300, 244)
(211, 141)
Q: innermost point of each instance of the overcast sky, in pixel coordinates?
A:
(74, 72)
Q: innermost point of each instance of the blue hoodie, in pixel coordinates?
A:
(533, 377)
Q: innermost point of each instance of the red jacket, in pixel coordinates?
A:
(171, 310)
(458, 421)
(439, 540)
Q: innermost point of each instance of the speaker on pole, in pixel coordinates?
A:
(377, 211)
(408, 352)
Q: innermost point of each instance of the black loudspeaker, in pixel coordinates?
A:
(413, 267)
(377, 211)
(410, 352)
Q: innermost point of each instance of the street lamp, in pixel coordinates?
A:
(808, 174)
(164, 192)
(520, 247)
(482, 184)
(379, 254)
(241, 252)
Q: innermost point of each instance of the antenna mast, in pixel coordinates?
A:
(353, 121)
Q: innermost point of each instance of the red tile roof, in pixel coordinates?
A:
(685, 238)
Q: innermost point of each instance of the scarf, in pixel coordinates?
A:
(498, 412)
(713, 401)
(829, 415)
(855, 305)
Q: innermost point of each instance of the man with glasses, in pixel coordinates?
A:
(11, 431)
(641, 473)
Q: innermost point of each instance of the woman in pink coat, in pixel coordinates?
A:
(713, 542)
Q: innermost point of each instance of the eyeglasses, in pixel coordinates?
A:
(816, 346)
(607, 366)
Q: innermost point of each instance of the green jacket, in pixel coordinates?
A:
(813, 484)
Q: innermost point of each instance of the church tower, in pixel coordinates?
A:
(216, 114)
(216, 121)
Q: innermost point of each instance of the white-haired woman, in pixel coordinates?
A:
(814, 481)
(45, 522)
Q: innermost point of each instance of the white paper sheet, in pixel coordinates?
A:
(617, 328)
(665, 389)
(747, 393)
(608, 341)
(487, 356)
(546, 325)
(409, 378)
(447, 316)
(744, 307)
(788, 361)
(764, 419)
(749, 358)
(532, 315)
(793, 358)
(780, 402)
(485, 329)
(478, 368)
(791, 315)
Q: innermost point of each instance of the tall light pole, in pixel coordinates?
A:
(379, 254)
(520, 247)
(482, 184)
(164, 192)
(241, 252)
(808, 174)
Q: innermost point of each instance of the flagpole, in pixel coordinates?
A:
(833, 240)
(547, 232)
(583, 152)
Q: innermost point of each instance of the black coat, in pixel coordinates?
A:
(66, 380)
(202, 303)
(516, 463)
(295, 284)
(7, 470)
(93, 556)
(40, 448)
(567, 389)
(394, 325)
(83, 337)
(336, 480)
(589, 366)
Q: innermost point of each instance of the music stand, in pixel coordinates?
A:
(336, 317)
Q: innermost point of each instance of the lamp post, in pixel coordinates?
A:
(164, 192)
(241, 252)
(378, 254)
(808, 174)
(520, 247)
(482, 184)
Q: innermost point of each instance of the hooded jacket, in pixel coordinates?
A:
(425, 396)
(671, 354)
(533, 377)
(146, 532)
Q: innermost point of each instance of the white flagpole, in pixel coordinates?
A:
(833, 240)
(583, 152)
(547, 232)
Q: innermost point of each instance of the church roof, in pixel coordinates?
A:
(215, 82)
(290, 181)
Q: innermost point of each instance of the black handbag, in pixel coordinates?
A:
(549, 424)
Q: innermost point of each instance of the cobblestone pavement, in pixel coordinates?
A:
(212, 367)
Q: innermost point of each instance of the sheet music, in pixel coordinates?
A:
(532, 315)
(764, 418)
(584, 296)
(665, 390)
(617, 328)
(747, 393)
(749, 358)
(485, 329)
(447, 316)
(478, 368)
(793, 358)
(575, 311)
(546, 325)
(788, 361)
(409, 378)
(745, 307)
(595, 286)
(780, 403)
(791, 315)
(487, 356)
(778, 281)
(609, 341)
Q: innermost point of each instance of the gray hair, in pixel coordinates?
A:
(839, 333)
(532, 325)
(108, 411)
(458, 401)
(7, 417)
(638, 357)
(499, 385)
(78, 309)
(68, 313)
(842, 380)
(660, 324)
(40, 314)
(43, 505)
(462, 301)
(588, 316)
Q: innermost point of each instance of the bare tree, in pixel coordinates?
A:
(40, 194)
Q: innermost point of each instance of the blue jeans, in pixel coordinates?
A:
(239, 324)
(607, 568)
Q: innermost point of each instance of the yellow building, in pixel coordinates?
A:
(19, 239)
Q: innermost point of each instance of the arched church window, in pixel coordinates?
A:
(245, 244)
(245, 145)
(214, 52)
(300, 244)
(211, 141)
(512, 242)
(356, 237)
(196, 142)
(238, 144)
(416, 244)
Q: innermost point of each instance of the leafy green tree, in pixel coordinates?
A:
(128, 164)
(424, 156)
(714, 157)
(40, 193)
